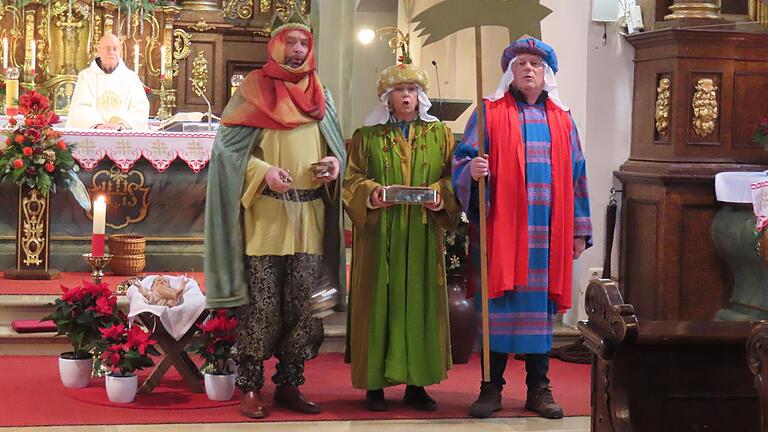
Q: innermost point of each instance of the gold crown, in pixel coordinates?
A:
(401, 73)
(291, 14)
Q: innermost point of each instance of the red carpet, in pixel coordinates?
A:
(47, 287)
(31, 395)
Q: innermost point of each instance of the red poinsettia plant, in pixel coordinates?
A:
(761, 134)
(218, 337)
(126, 350)
(81, 312)
(33, 154)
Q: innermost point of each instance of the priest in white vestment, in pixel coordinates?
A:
(108, 95)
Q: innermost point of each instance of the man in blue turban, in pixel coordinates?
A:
(538, 217)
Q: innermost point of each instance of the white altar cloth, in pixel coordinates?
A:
(124, 148)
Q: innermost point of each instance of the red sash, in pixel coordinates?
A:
(508, 216)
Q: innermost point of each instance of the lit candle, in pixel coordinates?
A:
(34, 54)
(136, 58)
(162, 62)
(99, 216)
(5, 53)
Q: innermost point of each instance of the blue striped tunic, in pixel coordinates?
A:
(521, 320)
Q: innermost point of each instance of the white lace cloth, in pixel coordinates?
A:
(177, 319)
(735, 187)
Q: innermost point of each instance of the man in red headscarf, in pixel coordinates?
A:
(273, 219)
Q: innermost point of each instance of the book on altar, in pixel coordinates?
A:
(177, 121)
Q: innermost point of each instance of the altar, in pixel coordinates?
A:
(154, 183)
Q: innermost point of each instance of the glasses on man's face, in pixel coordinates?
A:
(533, 64)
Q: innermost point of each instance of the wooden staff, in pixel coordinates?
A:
(481, 190)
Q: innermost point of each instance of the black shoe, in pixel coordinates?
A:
(540, 399)
(488, 402)
(418, 398)
(374, 400)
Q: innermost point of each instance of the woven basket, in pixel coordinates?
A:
(126, 244)
(127, 265)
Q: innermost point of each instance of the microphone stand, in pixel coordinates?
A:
(199, 91)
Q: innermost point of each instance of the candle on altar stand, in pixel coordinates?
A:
(34, 54)
(99, 216)
(136, 58)
(162, 62)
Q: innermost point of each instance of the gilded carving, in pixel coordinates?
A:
(126, 194)
(202, 25)
(239, 9)
(33, 207)
(705, 110)
(182, 47)
(663, 94)
(265, 5)
(200, 74)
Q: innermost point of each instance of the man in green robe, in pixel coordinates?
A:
(273, 224)
(398, 330)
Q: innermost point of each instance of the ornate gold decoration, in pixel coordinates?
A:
(14, 32)
(699, 10)
(200, 74)
(29, 35)
(201, 5)
(33, 227)
(108, 101)
(705, 110)
(126, 194)
(265, 5)
(182, 47)
(202, 25)
(663, 94)
(238, 9)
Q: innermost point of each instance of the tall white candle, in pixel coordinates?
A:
(99, 219)
(162, 62)
(34, 55)
(5, 53)
(136, 58)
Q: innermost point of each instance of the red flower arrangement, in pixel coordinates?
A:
(34, 154)
(217, 340)
(761, 134)
(126, 350)
(81, 312)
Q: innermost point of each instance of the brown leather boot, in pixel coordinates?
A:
(488, 402)
(540, 399)
(251, 405)
(289, 396)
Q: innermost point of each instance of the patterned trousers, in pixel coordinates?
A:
(278, 320)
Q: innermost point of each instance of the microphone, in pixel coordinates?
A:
(439, 94)
(202, 94)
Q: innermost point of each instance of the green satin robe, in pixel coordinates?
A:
(397, 322)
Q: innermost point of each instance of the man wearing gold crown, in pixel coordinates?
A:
(398, 315)
(278, 123)
(538, 219)
(108, 95)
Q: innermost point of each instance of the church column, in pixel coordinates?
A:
(687, 13)
(200, 5)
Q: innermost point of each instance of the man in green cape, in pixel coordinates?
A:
(273, 222)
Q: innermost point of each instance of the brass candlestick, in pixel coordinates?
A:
(97, 264)
(167, 97)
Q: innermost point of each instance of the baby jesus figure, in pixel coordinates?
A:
(161, 292)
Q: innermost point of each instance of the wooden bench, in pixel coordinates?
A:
(658, 376)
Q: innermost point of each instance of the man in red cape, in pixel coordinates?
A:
(538, 219)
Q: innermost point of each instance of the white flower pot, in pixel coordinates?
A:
(75, 373)
(219, 387)
(122, 389)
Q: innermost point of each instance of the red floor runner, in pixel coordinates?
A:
(46, 287)
(31, 395)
